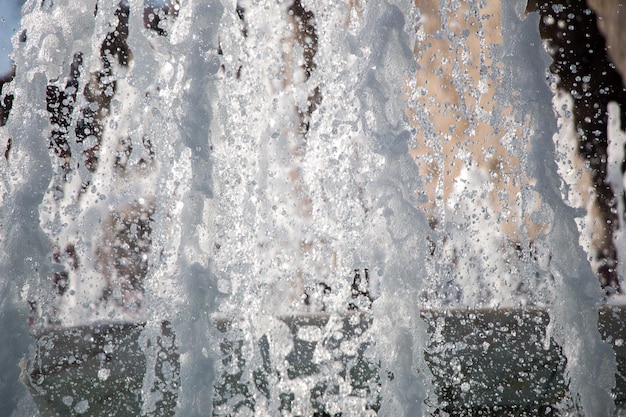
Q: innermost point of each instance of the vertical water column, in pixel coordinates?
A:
(313, 180)
(481, 208)
(501, 233)
(46, 59)
(260, 215)
(100, 130)
(40, 67)
(574, 294)
(24, 176)
(93, 145)
(183, 287)
(471, 153)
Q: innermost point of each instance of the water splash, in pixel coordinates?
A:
(288, 184)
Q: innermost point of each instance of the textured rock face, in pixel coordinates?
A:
(611, 18)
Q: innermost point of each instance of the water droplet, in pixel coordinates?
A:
(82, 406)
(103, 374)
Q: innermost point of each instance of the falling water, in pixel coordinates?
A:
(275, 191)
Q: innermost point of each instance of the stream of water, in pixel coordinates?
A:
(218, 170)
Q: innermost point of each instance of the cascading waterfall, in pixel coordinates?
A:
(273, 192)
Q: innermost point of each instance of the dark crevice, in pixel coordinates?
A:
(60, 105)
(155, 17)
(584, 71)
(6, 100)
(306, 36)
